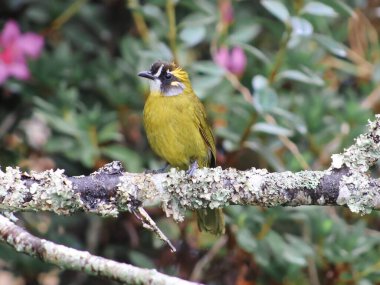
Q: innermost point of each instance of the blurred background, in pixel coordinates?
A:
(285, 84)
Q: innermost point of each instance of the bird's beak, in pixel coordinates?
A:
(146, 74)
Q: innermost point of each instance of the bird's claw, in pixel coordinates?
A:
(192, 168)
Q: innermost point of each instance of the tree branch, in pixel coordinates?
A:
(110, 190)
(70, 258)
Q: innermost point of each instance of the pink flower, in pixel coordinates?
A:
(227, 12)
(234, 61)
(15, 48)
(222, 57)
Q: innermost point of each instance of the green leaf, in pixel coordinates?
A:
(319, 9)
(205, 6)
(197, 19)
(207, 67)
(192, 36)
(301, 27)
(246, 240)
(152, 11)
(331, 45)
(299, 245)
(376, 73)
(36, 14)
(109, 132)
(262, 255)
(294, 120)
(264, 97)
(272, 129)
(61, 125)
(227, 134)
(255, 52)
(259, 82)
(59, 144)
(245, 34)
(293, 256)
(203, 83)
(346, 8)
(277, 9)
(301, 77)
(275, 241)
(268, 153)
(87, 154)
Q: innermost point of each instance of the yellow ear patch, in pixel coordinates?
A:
(175, 84)
(180, 74)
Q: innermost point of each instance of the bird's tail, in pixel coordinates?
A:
(211, 220)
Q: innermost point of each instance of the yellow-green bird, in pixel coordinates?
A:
(176, 126)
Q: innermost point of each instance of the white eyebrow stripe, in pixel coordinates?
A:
(158, 73)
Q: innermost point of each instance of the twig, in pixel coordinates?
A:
(291, 146)
(311, 266)
(280, 55)
(235, 82)
(172, 33)
(149, 224)
(372, 100)
(207, 258)
(140, 24)
(67, 14)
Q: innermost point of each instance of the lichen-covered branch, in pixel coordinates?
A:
(70, 258)
(111, 190)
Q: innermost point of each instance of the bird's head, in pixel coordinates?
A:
(166, 79)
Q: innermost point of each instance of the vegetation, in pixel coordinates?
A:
(285, 84)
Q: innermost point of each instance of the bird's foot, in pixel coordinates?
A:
(157, 171)
(192, 168)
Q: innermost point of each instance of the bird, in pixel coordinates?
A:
(177, 129)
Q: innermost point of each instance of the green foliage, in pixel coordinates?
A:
(311, 78)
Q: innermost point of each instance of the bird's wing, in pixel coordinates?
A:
(206, 132)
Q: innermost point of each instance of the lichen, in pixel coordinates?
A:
(134, 189)
(364, 153)
(50, 191)
(216, 188)
(12, 188)
(54, 192)
(125, 192)
(105, 209)
(356, 192)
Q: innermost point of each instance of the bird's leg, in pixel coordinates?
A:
(163, 169)
(192, 168)
(158, 171)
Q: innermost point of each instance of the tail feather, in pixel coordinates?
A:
(211, 220)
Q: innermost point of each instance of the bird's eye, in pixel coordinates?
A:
(168, 76)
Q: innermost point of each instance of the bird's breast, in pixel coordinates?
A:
(173, 131)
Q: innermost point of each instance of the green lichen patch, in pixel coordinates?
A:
(49, 191)
(52, 191)
(12, 189)
(357, 193)
(364, 153)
